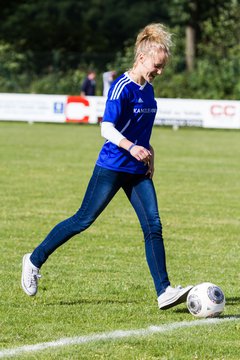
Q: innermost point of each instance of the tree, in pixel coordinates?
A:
(190, 14)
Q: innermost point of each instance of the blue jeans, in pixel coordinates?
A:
(102, 187)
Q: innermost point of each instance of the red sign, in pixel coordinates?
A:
(77, 108)
(223, 110)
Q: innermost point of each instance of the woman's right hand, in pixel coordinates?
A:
(141, 153)
(138, 152)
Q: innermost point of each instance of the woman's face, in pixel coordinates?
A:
(152, 64)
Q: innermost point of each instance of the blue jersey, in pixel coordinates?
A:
(131, 108)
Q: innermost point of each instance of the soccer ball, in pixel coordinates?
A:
(206, 300)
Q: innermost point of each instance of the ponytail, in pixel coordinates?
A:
(153, 36)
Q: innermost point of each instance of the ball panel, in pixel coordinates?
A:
(194, 304)
(215, 294)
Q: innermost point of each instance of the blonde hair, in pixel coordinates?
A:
(152, 37)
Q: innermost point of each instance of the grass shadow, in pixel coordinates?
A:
(181, 311)
(230, 316)
(91, 302)
(233, 300)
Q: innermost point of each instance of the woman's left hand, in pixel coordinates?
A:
(150, 164)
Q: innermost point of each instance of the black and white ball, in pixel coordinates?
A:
(206, 300)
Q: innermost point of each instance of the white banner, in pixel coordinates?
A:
(32, 107)
(223, 114)
(179, 112)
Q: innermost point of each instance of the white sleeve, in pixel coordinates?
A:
(109, 132)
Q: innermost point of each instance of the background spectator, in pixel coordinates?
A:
(89, 84)
(108, 78)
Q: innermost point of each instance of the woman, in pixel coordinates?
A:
(126, 161)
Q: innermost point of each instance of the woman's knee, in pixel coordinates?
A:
(80, 223)
(152, 229)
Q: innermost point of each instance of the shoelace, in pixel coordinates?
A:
(34, 277)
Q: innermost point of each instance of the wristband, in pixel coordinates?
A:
(130, 148)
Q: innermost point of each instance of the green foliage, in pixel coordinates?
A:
(221, 35)
(214, 77)
(14, 70)
(194, 12)
(124, 59)
(63, 39)
(94, 29)
(58, 83)
(209, 80)
(218, 64)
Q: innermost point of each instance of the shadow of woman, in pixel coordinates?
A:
(232, 301)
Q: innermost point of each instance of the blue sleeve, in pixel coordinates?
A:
(114, 108)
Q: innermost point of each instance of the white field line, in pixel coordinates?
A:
(117, 334)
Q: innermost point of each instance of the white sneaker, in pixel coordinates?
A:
(173, 296)
(30, 276)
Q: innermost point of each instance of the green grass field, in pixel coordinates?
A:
(99, 281)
